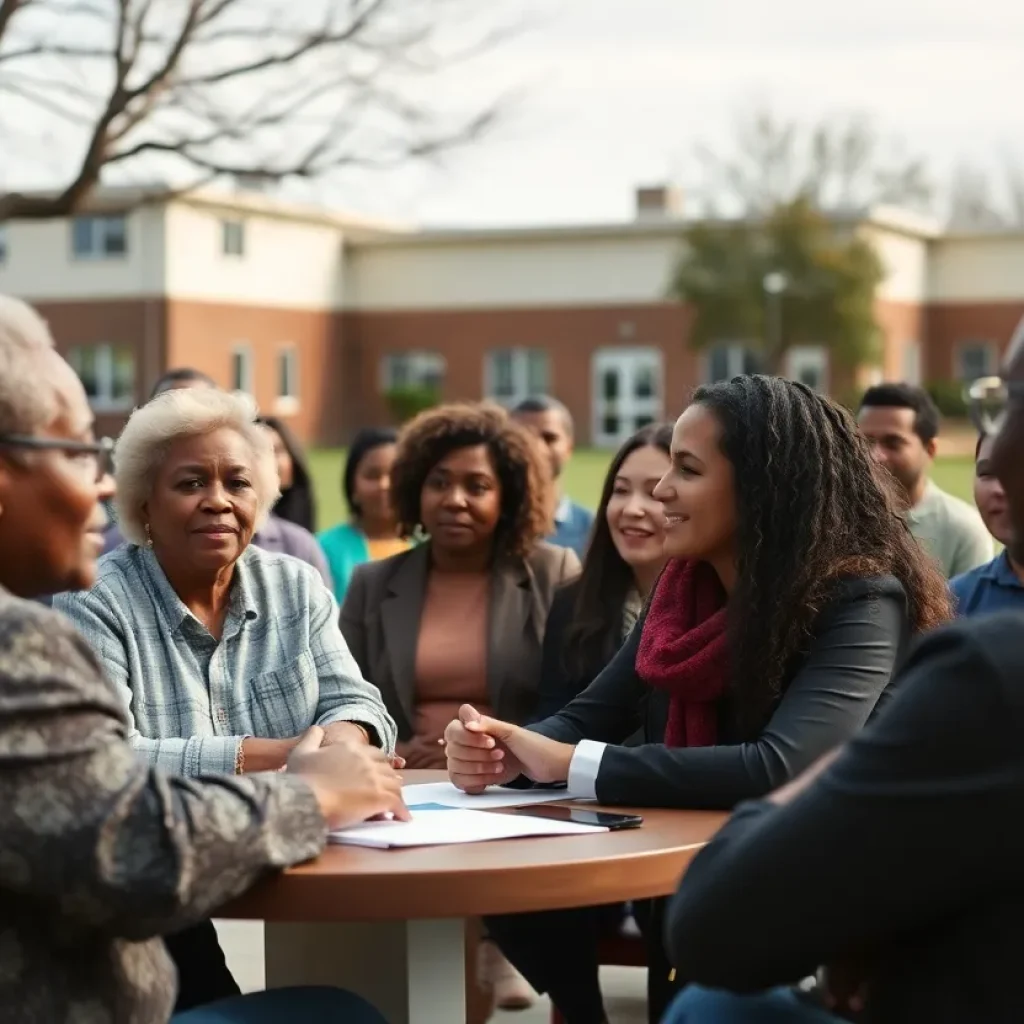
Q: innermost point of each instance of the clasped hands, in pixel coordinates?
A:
(484, 752)
(350, 732)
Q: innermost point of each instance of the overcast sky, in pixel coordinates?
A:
(620, 90)
(617, 92)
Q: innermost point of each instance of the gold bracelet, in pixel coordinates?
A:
(240, 759)
(364, 731)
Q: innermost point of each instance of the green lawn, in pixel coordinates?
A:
(582, 479)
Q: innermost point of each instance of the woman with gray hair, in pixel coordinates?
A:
(101, 854)
(224, 654)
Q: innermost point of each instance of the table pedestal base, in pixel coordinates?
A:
(412, 971)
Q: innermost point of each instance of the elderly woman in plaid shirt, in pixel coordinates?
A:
(223, 654)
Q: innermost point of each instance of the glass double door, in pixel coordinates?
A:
(627, 393)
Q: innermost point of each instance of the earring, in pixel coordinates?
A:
(149, 537)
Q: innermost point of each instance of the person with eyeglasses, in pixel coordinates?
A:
(102, 854)
(896, 859)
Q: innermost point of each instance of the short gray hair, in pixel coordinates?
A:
(188, 412)
(26, 401)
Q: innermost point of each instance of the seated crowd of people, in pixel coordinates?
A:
(758, 618)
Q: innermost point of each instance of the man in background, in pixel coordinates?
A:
(552, 422)
(902, 423)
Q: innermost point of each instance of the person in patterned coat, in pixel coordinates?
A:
(101, 853)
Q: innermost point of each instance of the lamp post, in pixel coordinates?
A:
(775, 285)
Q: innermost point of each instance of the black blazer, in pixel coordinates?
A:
(558, 686)
(380, 620)
(858, 641)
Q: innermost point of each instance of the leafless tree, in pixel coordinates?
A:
(983, 200)
(206, 89)
(840, 162)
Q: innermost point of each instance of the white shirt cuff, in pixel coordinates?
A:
(583, 769)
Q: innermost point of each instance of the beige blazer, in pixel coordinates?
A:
(380, 619)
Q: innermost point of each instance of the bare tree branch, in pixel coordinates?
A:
(271, 89)
(840, 162)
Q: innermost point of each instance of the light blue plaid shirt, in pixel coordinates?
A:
(280, 666)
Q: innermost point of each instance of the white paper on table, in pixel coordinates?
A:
(445, 794)
(448, 827)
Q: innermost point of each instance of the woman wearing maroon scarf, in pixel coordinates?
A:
(792, 590)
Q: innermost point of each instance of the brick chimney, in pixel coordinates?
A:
(658, 202)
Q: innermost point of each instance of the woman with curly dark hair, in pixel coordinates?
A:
(460, 618)
(792, 589)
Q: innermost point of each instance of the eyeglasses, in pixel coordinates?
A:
(97, 454)
(988, 399)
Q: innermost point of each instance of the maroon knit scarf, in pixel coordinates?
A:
(683, 650)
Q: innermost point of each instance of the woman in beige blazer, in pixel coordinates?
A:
(460, 618)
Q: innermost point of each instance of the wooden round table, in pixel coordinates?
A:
(389, 923)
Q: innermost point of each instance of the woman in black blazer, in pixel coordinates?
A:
(792, 588)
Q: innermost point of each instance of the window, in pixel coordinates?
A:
(3, 243)
(288, 375)
(727, 361)
(107, 373)
(808, 364)
(99, 237)
(232, 237)
(413, 370)
(975, 359)
(512, 374)
(241, 369)
(626, 392)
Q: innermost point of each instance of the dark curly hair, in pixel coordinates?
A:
(520, 464)
(813, 507)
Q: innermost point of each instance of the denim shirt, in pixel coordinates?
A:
(992, 587)
(572, 527)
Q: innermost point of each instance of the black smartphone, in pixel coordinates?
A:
(581, 816)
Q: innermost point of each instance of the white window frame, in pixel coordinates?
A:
(990, 348)
(736, 353)
(243, 351)
(5, 244)
(287, 371)
(809, 353)
(422, 367)
(105, 400)
(232, 237)
(520, 366)
(625, 360)
(100, 225)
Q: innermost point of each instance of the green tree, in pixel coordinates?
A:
(828, 276)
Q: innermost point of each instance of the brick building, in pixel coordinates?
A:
(318, 314)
